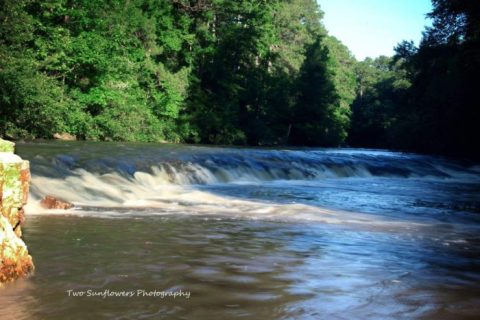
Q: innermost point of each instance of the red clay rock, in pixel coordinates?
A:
(15, 261)
(50, 202)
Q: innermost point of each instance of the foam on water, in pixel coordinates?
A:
(245, 183)
(113, 195)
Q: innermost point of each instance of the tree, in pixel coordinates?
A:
(314, 120)
(227, 99)
(425, 99)
(209, 71)
(382, 86)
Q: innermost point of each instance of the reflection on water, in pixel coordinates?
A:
(242, 269)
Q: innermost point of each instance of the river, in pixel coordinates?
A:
(194, 232)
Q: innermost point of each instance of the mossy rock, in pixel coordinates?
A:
(7, 146)
(15, 262)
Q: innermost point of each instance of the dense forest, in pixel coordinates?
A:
(425, 98)
(246, 72)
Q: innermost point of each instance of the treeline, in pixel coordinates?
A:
(256, 72)
(208, 71)
(425, 98)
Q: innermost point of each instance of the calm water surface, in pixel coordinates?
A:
(250, 234)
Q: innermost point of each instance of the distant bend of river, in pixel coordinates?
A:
(193, 232)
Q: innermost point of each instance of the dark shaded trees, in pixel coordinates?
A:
(314, 121)
(426, 98)
(251, 80)
(230, 79)
(444, 92)
(382, 90)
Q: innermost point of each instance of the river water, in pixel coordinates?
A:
(248, 234)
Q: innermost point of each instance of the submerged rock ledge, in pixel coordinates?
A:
(15, 262)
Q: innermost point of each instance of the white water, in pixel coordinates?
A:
(374, 189)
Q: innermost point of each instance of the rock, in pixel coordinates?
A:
(6, 146)
(64, 136)
(50, 202)
(15, 262)
(9, 158)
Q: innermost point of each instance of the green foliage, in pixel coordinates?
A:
(381, 90)
(258, 72)
(231, 79)
(216, 71)
(298, 25)
(342, 65)
(93, 69)
(316, 120)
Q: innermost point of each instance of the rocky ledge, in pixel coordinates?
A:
(15, 262)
